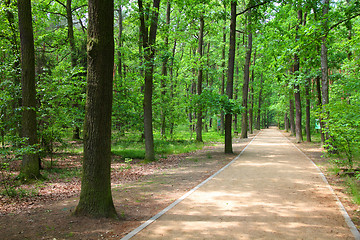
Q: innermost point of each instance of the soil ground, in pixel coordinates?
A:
(139, 192)
(147, 190)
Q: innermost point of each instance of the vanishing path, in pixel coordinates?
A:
(272, 191)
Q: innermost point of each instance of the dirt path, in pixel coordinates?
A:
(271, 192)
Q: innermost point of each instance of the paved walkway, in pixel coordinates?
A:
(272, 191)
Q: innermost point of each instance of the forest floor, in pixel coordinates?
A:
(139, 192)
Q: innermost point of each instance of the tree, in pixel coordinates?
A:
(95, 197)
(298, 127)
(230, 79)
(199, 111)
(148, 39)
(244, 118)
(30, 162)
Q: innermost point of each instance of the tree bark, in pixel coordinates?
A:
(251, 109)
(245, 91)
(291, 114)
(199, 81)
(164, 71)
(324, 69)
(230, 79)
(286, 122)
(307, 110)
(298, 127)
(148, 40)
(120, 63)
(95, 197)
(318, 90)
(258, 120)
(222, 91)
(30, 168)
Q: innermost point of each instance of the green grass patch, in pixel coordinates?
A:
(354, 189)
(61, 173)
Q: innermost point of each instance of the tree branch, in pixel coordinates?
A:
(74, 9)
(342, 21)
(60, 3)
(56, 13)
(251, 7)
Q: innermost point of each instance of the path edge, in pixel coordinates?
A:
(342, 209)
(162, 212)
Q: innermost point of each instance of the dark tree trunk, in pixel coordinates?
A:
(324, 69)
(69, 19)
(164, 72)
(298, 127)
(71, 33)
(30, 161)
(258, 120)
(318, 90)
(148, 41)
(199, 82)
(230, 79)
(95, 197)
(120, 63)
(245, 91)
(286, 122)
(307, 110)
(222, 91)
(291, 114)
(251, 109)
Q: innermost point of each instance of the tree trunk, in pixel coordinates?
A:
(245, 92)
(199, 82)
(251, 109)
(71, 33)
(307, 110)
(318, 90)
(222, 116)
(298, 127)
(286, 122)
(324, 69)
(95, 197)
(69, 19)
(164, 72)
(148, 41)
(229, 82)
(258, 120)
(291, 114)
(120, 64)
(30, 161)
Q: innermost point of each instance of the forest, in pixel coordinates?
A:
(171, 74)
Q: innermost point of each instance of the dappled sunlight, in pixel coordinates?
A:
(272, 193)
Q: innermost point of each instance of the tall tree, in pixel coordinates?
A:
(148, 39)
(260, 99)
(30, 161)
(199, 113)
(245, 92)
(298, 127)
(164, 70)
(230, 79)
(95, 197)
(324, 65)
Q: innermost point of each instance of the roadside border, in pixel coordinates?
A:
(158, 215)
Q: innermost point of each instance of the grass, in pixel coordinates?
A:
(128, 145)
(354, 189)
